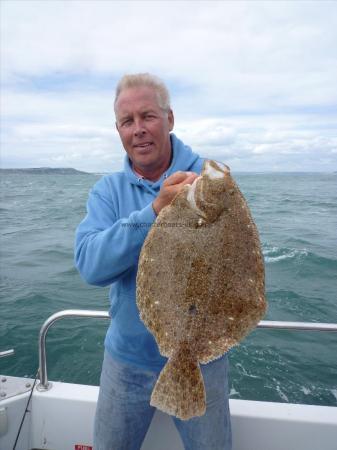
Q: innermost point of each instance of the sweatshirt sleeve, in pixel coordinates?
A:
(105, 246)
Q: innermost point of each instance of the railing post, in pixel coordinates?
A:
(44, 385)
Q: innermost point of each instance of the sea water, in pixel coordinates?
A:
(296, 215)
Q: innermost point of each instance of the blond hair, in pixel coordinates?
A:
(145, 79)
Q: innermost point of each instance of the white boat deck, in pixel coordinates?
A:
(62, 418)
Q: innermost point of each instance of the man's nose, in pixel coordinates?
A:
(139, 129)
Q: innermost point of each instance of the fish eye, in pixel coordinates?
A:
(192, 309)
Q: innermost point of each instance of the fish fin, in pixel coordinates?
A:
(180, 389)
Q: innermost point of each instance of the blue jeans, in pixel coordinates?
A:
(124, 414)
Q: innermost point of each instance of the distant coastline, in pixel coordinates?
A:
(46, 171)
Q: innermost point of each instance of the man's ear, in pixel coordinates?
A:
(170, 117)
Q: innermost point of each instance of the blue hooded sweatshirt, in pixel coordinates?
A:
(107, 248)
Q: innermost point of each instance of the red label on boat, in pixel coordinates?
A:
(83, 447)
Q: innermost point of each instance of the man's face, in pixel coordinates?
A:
(144, 130)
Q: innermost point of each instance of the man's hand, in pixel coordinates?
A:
(170, 188)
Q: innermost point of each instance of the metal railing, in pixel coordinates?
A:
(44, 385)
(7, 353)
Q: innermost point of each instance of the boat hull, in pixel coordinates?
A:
(61, 418)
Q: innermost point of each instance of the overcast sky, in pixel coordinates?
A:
(253, 84)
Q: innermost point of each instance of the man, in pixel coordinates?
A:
(120, 211)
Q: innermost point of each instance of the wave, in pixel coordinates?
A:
(276, 254)
(308, 262)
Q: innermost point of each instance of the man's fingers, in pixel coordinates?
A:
(180, 177)
(170, 188)
(190, 178)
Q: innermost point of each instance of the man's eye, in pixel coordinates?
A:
(126, 123)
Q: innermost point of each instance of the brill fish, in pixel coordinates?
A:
(200, 284)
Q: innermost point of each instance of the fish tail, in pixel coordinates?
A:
(180, 389)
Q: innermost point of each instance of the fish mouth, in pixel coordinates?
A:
(191, 197)
(213, 170)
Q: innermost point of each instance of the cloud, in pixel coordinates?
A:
(253, 83)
